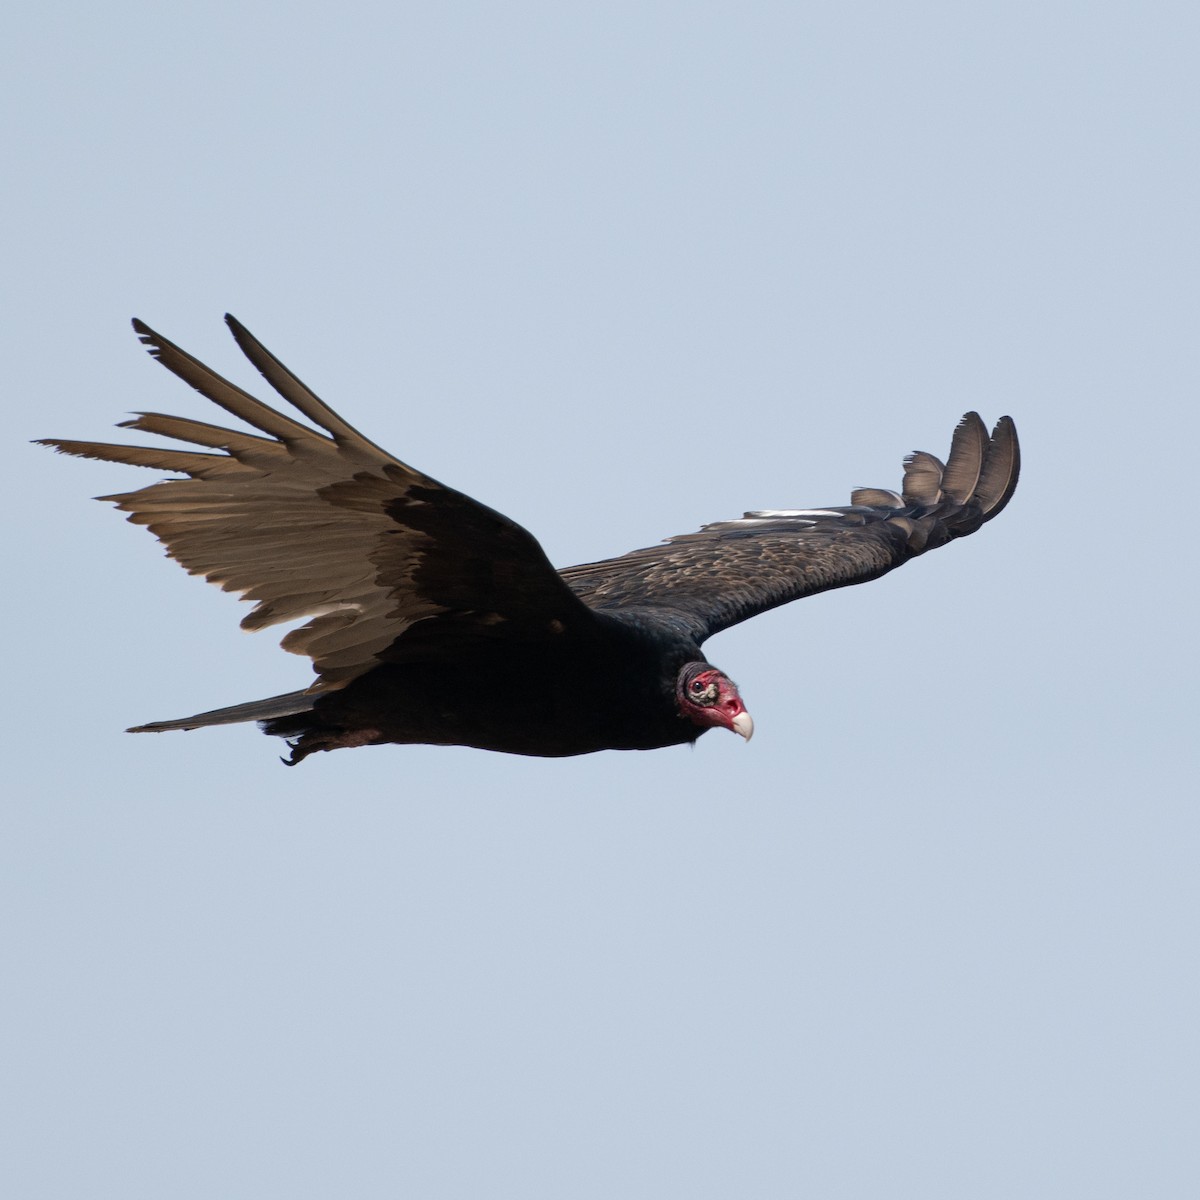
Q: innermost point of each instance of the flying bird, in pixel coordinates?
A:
(435, 619)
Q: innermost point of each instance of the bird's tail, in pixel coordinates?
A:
(253, 710)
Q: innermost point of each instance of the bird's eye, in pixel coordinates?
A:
(697, 686)
(703, 693)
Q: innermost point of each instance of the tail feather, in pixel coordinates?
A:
(253, 710)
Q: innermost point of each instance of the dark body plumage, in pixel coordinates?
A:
(433, 618)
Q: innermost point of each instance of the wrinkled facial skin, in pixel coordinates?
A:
(708, 697)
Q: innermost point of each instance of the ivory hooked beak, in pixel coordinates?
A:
(744, 725)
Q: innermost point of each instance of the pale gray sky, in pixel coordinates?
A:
(618, 270)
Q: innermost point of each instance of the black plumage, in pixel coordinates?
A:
(432, 618)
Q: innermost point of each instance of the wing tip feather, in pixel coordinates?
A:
(1001, 469)
(923, 474)
(980, 467)
(151, 340)
(968, 447)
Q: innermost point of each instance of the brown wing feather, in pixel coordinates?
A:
(326, 525)
(729, 571)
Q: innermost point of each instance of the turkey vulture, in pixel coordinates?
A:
(433, 618)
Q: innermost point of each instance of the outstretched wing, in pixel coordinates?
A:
(706, 581)
(322, 523)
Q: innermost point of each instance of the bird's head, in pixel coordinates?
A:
(708, 697)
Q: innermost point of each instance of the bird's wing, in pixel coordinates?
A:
(322, 523)
(727, 572)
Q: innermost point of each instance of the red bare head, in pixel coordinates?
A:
(708, 697)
